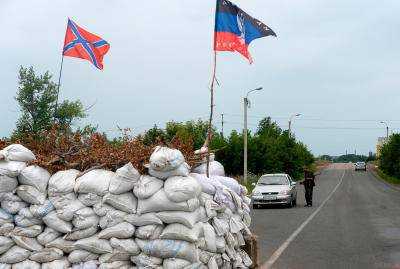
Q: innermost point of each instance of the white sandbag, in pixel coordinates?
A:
(126, 202)
(94, 245)
(60, 243)
(17, 152)
(210, 237)
(147, 186)
(47, 236)
(5, 244)
(113, 257)
(5, 266)
(101, 209)
(182, 170)
(30, 194)
(27, 264)
(62, 182)
(39, 211)
(25, 218)
(11, 169)
(149, 232)
(212, 263)
(220, 244)
(14, 255)
(169, 249)
(79, 256)
(221, 226)
(13, 207)
(122, 230)
(77, 234)
(85, 218)
(144, 219)
(144, 261)
(89, 199)
(245, 258)
(236, 224)
(124, 179)
(57, 264)
(112, 218)
(35, 176)
(177, 231)
(166, 159)
(8, 196)
(32, 231)
(28, 243)
(6, 228)
(188, 219)
(116, 265)
(54, 222)
(215, 169)
(5, 217)
(231, 183)
(96, 181)
(180, 189)
(68, 211)
(8, 184)
(208, 185)
(91, 264)
(47, 255)
(159, 202)
(125, 246)
(175, 263)
(239, 239)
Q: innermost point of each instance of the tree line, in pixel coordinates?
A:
(270, 149)
(389, 157)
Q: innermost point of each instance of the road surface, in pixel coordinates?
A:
(354, 223)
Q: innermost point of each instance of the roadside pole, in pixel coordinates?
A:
(245, 105)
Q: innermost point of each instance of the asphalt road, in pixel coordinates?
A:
(354, 223)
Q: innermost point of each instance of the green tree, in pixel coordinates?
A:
(389, 159)
(37, 97)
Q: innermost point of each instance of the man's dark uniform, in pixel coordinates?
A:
(309, 183)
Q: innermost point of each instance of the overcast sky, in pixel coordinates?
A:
(335, 62)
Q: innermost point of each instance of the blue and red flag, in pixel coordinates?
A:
(235, 29)
(79, 43)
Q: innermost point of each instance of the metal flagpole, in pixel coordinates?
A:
(59, 83)
(209, 135)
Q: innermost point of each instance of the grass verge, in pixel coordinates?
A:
(387, 178)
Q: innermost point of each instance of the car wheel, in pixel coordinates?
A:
(255, 206)
(295, 202)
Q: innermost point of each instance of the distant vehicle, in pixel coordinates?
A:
(360, 166)
(274, 189)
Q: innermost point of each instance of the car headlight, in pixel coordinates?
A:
(256, 193)
(285, 192)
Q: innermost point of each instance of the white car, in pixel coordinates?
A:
(274, 189)
(360, 166)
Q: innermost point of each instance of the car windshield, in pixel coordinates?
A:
(360, 163)
(273, 180)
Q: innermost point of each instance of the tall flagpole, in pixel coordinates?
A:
(59, 83)
(209, 135)
(213, 78)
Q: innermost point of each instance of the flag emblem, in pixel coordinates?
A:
(79, 43)
(235, 29)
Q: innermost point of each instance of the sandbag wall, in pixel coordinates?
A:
(170, 218)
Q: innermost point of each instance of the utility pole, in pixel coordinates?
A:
(222, 125)
(246, 104)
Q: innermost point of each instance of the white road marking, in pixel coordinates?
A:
(275, 256)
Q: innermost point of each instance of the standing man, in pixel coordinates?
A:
(309, 183)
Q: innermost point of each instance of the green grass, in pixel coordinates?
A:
(387, 178)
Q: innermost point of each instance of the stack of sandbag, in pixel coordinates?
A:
(215, 167)
(102, 219)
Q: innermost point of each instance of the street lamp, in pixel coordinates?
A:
(290, 122)
(246, 104)
(387, 129)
